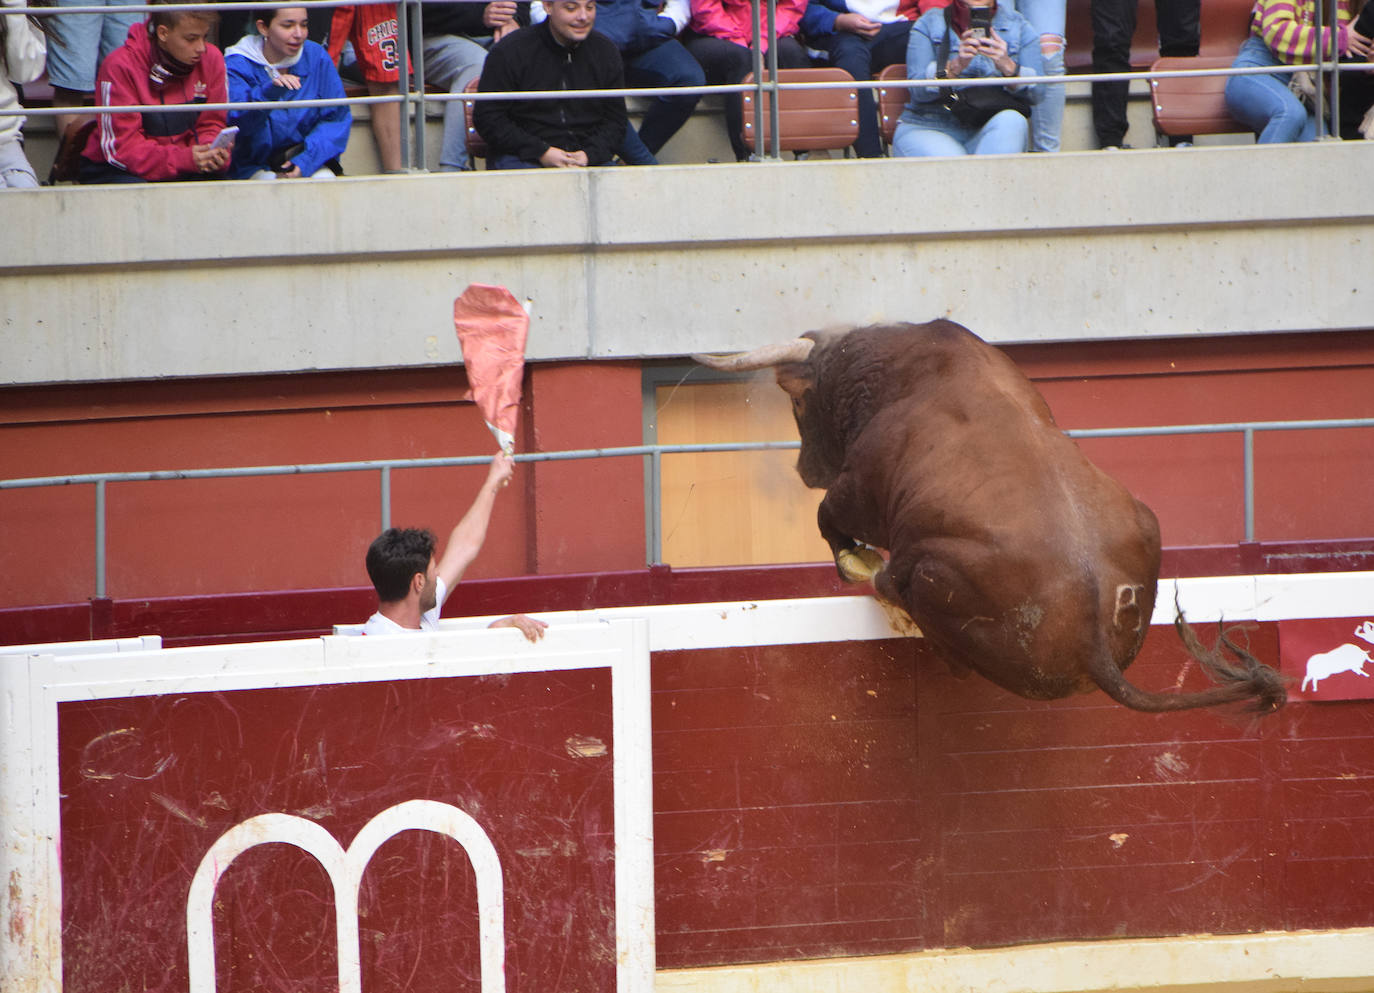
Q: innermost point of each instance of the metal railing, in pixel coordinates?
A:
(410, 29)
(653, 455)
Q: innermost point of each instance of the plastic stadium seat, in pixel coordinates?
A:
(477, 148)
(891, 100)
(808, 120)
(1191, 105)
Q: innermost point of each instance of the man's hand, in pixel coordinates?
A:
(532, 628)
(857, 24)
(288, 80)
(502, 468)
(208, 159)
(498, 12)
(1359, 44)
(557, 158)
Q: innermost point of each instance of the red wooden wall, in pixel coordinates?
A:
(188, 538)
(857, 799)
(149, 783)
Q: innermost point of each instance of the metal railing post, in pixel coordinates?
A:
(757, 54)
(386, 497)
(1249, 470)
(100, 538)
(654, 523)
(419, 59)
(403, 81)
(774, 114)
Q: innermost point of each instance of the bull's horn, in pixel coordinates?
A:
(795, 350)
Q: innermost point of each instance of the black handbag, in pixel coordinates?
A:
(974, 106)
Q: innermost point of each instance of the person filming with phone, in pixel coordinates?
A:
(168, 65)
(970, 39)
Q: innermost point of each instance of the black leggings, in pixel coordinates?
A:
(724, 62)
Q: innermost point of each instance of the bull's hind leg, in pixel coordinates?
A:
(856, 562)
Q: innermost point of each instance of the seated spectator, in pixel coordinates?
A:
(560, 53)
(1357, 88)
(1284, 33)
(279, 64)
(166, 63)
(646, 33)
(412, 587)
(23, 47)
(81, 43)
(1049, 18)
(1113, 21)
(372, 30)
(721, 35)
(235, 23)
(944, 43)
(862, 37)
(457, 37)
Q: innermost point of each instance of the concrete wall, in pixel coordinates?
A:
(215, 279)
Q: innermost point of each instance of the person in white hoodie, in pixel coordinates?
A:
(23, 52)
(862, 37)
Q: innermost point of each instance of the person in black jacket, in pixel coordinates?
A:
(456, 39)
(560, 53)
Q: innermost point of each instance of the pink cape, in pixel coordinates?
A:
(492, 327)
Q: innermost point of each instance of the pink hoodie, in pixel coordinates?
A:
(733, 20)
(156, 144)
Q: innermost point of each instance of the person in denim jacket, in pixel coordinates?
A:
(1011, 49)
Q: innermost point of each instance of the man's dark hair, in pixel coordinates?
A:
(171, 18)
(395, 557)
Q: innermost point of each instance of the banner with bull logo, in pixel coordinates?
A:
(1328, 658)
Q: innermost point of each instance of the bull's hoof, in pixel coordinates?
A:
(858, 565)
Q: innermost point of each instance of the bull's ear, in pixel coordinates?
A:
(795, 379)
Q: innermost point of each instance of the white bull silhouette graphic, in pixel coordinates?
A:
(1346, 658)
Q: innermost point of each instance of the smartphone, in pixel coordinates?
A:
(225, 138)
(980, 21)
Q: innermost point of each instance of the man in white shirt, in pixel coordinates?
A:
(412, 587)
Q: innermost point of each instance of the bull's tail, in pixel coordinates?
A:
(1245, 679)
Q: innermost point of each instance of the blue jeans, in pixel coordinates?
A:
(85, 41)
(1047, 116)
(453, 61)
(668, 64)
(1004, 134)
(861, 57)
(1264, 103)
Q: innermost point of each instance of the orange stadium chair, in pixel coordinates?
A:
(1191, 105)
(1197, 104)
(891, 100)
(477, 148)
(808, 120)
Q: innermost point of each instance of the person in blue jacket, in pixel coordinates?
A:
(646, 33)
(278, 64)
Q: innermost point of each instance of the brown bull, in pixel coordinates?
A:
(1015, 556)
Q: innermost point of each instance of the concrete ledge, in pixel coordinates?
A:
(361, 272)
(1273, 962)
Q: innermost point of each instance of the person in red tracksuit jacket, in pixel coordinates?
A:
(169, 63)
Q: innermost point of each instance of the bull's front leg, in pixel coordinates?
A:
(856, 563)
